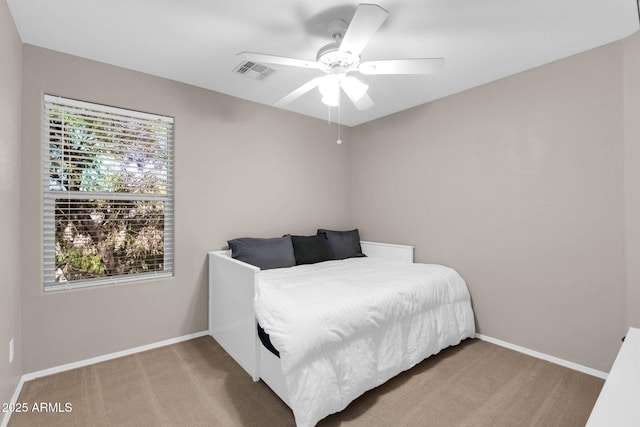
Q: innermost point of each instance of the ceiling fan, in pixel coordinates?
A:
(342, 56)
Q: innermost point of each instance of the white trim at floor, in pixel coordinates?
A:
(543, 356)
(93, 360)
(86, 362)
(14, 399)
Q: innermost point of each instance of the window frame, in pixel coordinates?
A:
(50, 196)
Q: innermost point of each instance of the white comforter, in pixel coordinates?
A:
(345, 327)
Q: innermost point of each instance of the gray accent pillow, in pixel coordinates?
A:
(343, 244)
(310, 249)
(269, 253)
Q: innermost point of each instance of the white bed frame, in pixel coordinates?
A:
(232, 323)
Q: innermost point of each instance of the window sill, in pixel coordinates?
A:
(106, 282)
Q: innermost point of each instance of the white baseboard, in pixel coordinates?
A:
(543, 356)
(91, 361)
(14, 399)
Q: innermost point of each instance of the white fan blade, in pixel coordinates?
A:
(402, 66)
(279, 60)
(366, 21)
(356, 94)
(364, 103)
(299, 92)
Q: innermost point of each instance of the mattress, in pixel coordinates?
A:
(266, 341)
(345, 327)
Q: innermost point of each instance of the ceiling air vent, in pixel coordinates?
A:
(253, 70)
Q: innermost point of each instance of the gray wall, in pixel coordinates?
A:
(10, 85)
(519, 185)
(241, 169)
(632, 176)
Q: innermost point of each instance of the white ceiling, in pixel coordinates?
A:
(196, 41)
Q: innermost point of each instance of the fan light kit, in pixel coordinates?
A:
(330, 86)
(342, 56)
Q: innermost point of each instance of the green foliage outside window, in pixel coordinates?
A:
(109, 180)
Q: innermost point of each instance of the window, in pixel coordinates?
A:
(108, 194)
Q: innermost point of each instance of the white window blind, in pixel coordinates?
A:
(108, 194)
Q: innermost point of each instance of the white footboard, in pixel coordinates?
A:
(232, 288)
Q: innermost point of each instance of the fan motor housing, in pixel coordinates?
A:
(331, 57)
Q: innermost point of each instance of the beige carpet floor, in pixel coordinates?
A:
(195, 383)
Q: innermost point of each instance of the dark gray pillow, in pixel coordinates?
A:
(343, 244)
(310, 249)
(270, 253)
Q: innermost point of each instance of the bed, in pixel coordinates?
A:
(341, 327)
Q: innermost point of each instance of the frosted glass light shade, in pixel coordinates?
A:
(330, 90)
